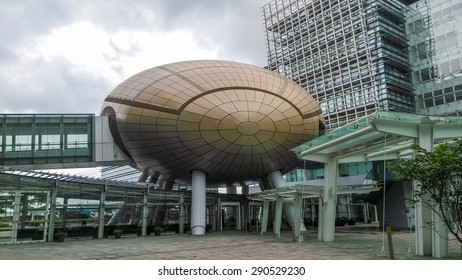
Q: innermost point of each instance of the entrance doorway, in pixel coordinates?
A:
(255, 215)
(231, 215)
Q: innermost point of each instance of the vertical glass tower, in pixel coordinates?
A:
(350, 55)
(434, 30)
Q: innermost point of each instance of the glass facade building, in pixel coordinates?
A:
(356, 57)
(435, 50)
(350, 55)
(359, 56)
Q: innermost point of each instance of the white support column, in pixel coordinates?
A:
(278, 217)
(365, 212)
(144, 218)
(219, 216)
(48, 219)
(246, 223)
(313, 209)
(181, 221)
(297, 217)
(214, 221)
(17, 216)
(50, 228)
(439, 236)
(238, 217)
(101, 210)
(329, 200)
(264, 219)
(425, 237)
(423, 232)
(277, 181)
(348, 200)
(198, 196)
(320, 218)
(376, 215)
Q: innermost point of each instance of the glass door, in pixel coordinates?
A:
(23, 216)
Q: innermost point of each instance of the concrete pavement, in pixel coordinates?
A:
(350, 244)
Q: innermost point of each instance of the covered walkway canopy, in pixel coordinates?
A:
(380, 136)
(34, 205)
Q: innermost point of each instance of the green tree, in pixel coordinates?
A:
(439, 177)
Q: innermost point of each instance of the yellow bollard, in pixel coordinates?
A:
(390, 243)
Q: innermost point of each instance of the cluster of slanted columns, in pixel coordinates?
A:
(290, 206)
(293, 209)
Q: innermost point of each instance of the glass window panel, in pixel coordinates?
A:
(413, 54)
(416, 77)
(444, 68)
(23, 143)
(449, 97)
(451, 41)
(446, 12)
(422, 51)
(77, 141)
(9, 143)
(437, 17)
(455, 65)
(429, 103)
(439, 100)
(47, 142)
(458, 95)
(425, 75)
(440, 44)
(447, 90)
(418, 26)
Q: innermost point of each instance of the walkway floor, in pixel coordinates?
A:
(350, 244)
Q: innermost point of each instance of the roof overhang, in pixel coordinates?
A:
(307, 191)
(379, 136)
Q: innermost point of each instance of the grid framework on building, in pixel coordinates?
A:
(435, 53)
(350, 55)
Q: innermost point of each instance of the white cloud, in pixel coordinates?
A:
(115, 56)
(66, 57)
(157, 48)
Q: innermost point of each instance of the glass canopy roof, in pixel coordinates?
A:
(363, 136)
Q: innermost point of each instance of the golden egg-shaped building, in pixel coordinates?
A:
(231, 120)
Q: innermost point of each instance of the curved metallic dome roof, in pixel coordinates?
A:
(232, 120)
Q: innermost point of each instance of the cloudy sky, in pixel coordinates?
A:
(65, 56)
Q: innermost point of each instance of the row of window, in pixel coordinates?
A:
(447, 13)
(442, 96)
(442, 44)
(16, 143)
(444, 69)
(36, 133)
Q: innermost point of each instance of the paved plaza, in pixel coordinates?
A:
(350, 244)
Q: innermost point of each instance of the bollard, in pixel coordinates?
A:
(390, 243)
